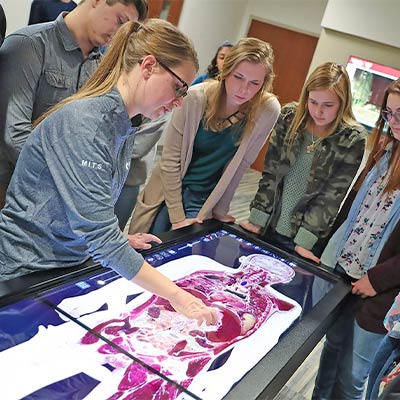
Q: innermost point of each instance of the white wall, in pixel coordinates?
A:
(209, 22)
(364, 28)
(299, 15)
(376, 20)
(338, 46)
(17, 13)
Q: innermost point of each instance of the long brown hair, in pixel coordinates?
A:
(378, 140)
(131, 43)
(327, 76)
(248, 49)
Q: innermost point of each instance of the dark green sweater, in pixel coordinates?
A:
(211, 153)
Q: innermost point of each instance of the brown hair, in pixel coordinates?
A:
(131, 43)
(248, 49)
(379, 139)
(327, 76)
(140, 5)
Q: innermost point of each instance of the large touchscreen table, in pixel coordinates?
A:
(102, 337)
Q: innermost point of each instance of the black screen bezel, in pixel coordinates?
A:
(265, 379)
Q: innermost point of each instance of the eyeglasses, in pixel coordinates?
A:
(388, 115)
(181, 91)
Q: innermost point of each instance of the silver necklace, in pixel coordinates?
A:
(315, 142)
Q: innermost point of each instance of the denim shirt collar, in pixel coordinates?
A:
(126, 129)
(379, 169)
(67, 38)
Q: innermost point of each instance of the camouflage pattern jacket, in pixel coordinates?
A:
(335, 164)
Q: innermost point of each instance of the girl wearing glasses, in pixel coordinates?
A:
(365, 249)
(60, 203)
(315, 151)
(210, 142)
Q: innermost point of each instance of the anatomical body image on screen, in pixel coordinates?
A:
(138, 347)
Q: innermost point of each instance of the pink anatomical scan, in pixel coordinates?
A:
(252, 316)
(140, 348)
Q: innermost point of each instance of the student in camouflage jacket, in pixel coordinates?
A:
(315, 151)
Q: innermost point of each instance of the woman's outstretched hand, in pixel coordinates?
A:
(307, 254)
(187, 222)
(248, 226)
(193, 308)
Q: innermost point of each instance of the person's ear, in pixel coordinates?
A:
(148, 65)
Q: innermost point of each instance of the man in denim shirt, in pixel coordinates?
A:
(45, 63)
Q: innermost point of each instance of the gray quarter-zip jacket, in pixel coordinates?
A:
(60, 204)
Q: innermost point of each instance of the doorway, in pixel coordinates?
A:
(293, 53)
(169, 10)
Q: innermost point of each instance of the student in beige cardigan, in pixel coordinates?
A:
(210, 142)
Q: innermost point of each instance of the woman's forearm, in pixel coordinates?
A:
(155, 282)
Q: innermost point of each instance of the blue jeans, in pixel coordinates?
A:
(345, 359)
(192, 204)
(387, 353)
(125, 204)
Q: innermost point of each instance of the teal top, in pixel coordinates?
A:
(211, 153)
(295, 186)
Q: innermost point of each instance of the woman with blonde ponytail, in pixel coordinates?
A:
(210, 142)
(60, 203)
